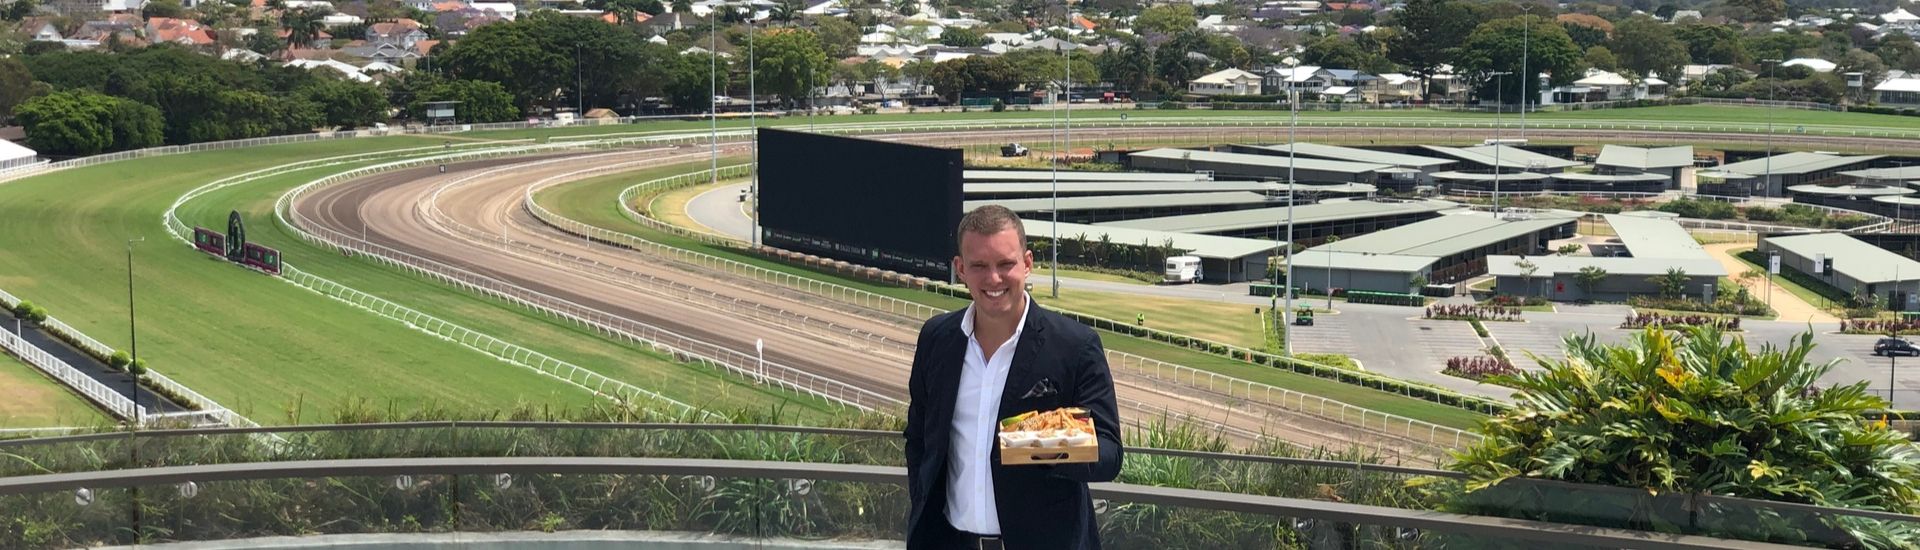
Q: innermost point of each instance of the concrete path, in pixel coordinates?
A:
(1789, 306)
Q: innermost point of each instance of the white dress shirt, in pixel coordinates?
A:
(970, 505)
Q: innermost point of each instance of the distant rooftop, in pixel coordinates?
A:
(1645, 159)
(1608, 178)
(1489, 177)
(1548, 266)
(1325, 211)
(1660, 238)
(1903, 173)
(1355, 154)
(1851, 190)
(1509, 156)
(1205, 246)
(1119, 187)
(1126, 201)
(1797, 162)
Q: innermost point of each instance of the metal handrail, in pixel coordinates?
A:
(1505, 528)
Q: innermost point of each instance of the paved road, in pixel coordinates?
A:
(721, 211)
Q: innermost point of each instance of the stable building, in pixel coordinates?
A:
(1647, 245)
(1858, 267)
(1614, 183)
(1410, 170)
(1006, 190)
(1222, 259)
(1312, 223)
(1665, 161)
(1776, 173)
(1502, 157)
(1847, 196)
(1256, 166)
(1442, 250)
(1091, 209)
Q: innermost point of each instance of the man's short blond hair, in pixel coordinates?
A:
(990, 219)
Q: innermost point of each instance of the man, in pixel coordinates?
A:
(999, 357)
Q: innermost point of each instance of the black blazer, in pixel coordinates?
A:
(1040, 507)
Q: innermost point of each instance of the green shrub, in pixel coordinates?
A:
(119, 360)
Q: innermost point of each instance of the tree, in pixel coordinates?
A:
(1497, 46)
(1723, 80)
(347, 104)
(1128, 65)
(480, 101)
(1588, 279)
(1586, 30)
(19, 9)
(1338, 52)
(1527, 269)
(962, 38)
(265, 41)
(1037, 67)
(1671, 415)
(1870, 67)
(163, 8)
(16, 85)
(681, 6)
(957, 78)
(1672, 284)
(1430, 30)
(1567, 249)
(303, 25)
(1711, 44)
(1599, 57)
(81, 122)
(837, 36)
(1758, 10)
(1165, 19)
(784, 58)
(1898, 51)
(1648, 48)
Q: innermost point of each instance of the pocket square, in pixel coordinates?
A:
(1043, 388)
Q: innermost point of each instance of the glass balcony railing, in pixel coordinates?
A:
(535, 485)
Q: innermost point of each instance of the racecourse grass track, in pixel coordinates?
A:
(695, 385)
(28, 399)
(595, 201)
(256, 344)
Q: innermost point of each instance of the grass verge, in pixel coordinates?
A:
(28, 399)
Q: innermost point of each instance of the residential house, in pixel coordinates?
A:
(1393, 88)
(1227, 82)
(1006, 38)
(1598, 85)
(1898, 92)
(505, 10)
(829, 8)
(1689, 74)
(337, 20)
(402, 33)
(1900, 15)
(383, 52)
(1683, 15)
(1049, 44)
(185, 32)
(321, 41)
(40, 29)
(241, 55)
(669, 22)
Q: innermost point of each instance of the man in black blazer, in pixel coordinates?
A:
(999, 357)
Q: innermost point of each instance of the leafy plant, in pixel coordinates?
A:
(1474, 312)
(1588, 279)
(1672, 284)
(1480, 367)
(1669, 415)
(1648, 319)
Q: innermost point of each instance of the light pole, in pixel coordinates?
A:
(1766, 185)
(1500, 106)
(1066, 138)
(134, 370)
(713, 89)
(1293, 122)
(1329, 244)
(1526, 40)
(753, 122)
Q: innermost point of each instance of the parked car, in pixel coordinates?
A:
(1895, 346)
(1013, 150)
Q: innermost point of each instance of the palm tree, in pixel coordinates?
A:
(683, 7)
(303, 25)
(785, 11)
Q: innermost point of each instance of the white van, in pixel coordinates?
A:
(1183, 269)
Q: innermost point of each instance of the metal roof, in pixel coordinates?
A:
(1324, 211)
(1609, 178)
(1205, 246)
(1899, 200)
(1902, 173)
(1476, 176)
(1318, 258)
(1263, 161)
(1075, 175)
(1658, 239)
(1851, 257)
(1645, 159)
(1121, 187)
(1124, 201)
(1850, 190)
(1797, 162)
(1442, 236)
(1510, 157)
(1354, 154)
(1548, 266)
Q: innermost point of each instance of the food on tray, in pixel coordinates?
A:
(1056, 428)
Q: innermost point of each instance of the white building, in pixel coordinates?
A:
(1818, 65)
(1227, 82)
(1898, 92)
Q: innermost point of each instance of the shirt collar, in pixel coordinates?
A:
(966, 319)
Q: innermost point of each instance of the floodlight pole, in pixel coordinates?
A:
(1273, 299)
(1293, 122)
(1773, 84)
(753, 121)
(713, 91)
(134, 346)
(1526, 40)
(1500, 106)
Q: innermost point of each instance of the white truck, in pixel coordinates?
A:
(1183, 269)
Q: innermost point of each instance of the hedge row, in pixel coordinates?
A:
(1389, 298)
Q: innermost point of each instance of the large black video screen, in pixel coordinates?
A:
(888, 205)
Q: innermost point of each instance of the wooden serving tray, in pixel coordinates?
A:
(1070, 454)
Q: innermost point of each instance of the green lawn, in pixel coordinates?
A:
(699, 386)
(1042, 272)
(1218, 321)
(28, 399)
(271, 350)
(594, 202)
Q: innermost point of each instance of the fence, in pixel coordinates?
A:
(681, 347)
(114, 402)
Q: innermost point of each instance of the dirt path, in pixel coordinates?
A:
(1789, 306)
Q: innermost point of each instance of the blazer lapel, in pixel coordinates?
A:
(1022, 374)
